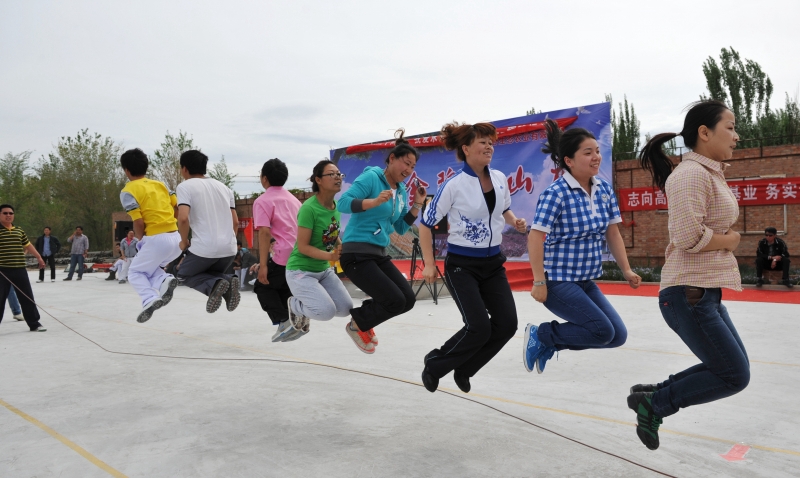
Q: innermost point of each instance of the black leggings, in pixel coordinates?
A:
(19, 276)
(480, 289)
(390, 292)
(273, 296)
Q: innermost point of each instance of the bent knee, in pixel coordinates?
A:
(739, 382)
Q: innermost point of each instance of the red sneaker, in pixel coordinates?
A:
(361, 339)
(373, 338)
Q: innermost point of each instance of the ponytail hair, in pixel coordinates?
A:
(652, 157)
(455, 135)
(402, 147)
(319, 168)
(563, 144)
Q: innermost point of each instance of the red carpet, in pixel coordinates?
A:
(520, 277)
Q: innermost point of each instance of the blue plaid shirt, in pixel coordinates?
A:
(576, 225)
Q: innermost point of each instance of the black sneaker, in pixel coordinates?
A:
(759, 282)
(431, 383)
(647, 421)
(462, 381)
(650, 387)
(787, 283)
(232, 296)
(215, 297)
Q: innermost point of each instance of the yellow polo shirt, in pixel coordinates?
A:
(151, 201)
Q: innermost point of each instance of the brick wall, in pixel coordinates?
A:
(645, 232)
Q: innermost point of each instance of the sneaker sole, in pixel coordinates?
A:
(283, 334)
(526, 338)
(294, 335)
(355, 339)
(234, 297)
(215, 299)
(145, 315)
(167, 296)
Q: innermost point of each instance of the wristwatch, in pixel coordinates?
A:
(417, 206)
(540, 282)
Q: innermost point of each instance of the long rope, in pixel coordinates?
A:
(343, 369)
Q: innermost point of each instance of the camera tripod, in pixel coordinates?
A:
(433, 289)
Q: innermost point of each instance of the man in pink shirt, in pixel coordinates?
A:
(275, 217)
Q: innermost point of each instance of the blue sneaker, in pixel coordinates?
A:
(546, 355)
(532, 347)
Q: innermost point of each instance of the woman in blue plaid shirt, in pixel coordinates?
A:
(574, 216)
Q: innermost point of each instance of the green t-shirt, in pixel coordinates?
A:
(324, 225)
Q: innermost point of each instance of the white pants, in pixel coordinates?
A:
(145, 272)
(318, 295)
(117, 267)
(123, 270)
(241, 274)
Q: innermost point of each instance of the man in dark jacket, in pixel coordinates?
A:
(48, 246)
(772, 253)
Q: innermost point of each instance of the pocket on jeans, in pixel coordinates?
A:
(694, 295)
(667, 308)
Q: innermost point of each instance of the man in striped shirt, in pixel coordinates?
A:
(13, 244)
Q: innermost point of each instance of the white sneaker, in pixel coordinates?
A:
(39, 281)
(297, 321)
(148, 309)
(165, 291)
(284, 330)
(52, 280)
(39, 329)
(19, 317)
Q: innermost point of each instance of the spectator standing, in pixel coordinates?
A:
(80, 250)
(772, 254)
(127, 251)
(48, 246)
(13, 245)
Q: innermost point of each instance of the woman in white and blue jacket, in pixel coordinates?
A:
(477, 203)
(378, 202)
(576, 213)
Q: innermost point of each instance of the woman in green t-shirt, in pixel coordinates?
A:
(317, 293)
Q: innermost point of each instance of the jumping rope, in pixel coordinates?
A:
(343, 369)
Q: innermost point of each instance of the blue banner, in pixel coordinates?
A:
(519, 155)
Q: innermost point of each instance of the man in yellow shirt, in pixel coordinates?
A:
(152, 208)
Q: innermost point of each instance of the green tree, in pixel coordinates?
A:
(626, 130)
(532, 111)
(220, 172)
(743, 86)
(82, 180)
(165, 166)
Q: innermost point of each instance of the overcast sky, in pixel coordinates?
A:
(253, 80)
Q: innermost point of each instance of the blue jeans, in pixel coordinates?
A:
(13, 302)
(707, 330)
(592, 323)
(75, 259)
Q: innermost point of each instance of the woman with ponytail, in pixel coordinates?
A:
(699, 263)
(478, 204)
(574, 216)
(378, 202)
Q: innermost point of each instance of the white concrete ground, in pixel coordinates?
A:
(159, 417)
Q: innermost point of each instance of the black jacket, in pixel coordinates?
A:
(780, 248)
(55, 245)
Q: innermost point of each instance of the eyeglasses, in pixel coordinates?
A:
(8, 213)
(334, 175)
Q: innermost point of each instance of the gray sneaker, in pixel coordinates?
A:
(295, 334)
(297, 321)
(285, 329)
(19, 317)
(147, 310)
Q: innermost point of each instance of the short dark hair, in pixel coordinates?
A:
(135, 161)
(9, 206)
(194, 161)
(47, 227)
(238, 243)
(275, 171)
(81, 227)
(771, 230)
